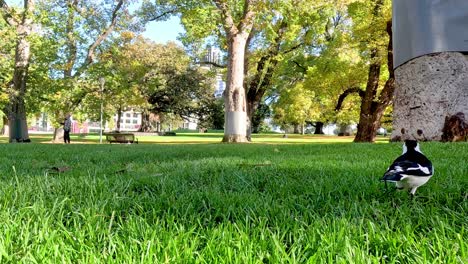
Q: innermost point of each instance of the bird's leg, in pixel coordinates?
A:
(387, 191)
(412, 192)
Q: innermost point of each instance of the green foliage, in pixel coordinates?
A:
(7, 48)
(255, 203)
(296, 106)
(258, 119)
(211, 114)
(341, 58)
(72, 39)
(156, 77)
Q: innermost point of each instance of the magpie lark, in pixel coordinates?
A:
(411, 170)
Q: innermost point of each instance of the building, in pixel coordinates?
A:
(129, 121)
(213, 55)
(220, 86)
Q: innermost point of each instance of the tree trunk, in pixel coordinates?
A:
(258, 87)
(17, 123)
(58, 135)
(237, 32)
(145, 122)
(235, 126)
(119, 118)
(372, 108)
(16, 109)
(158, 126)
(367, 127)
(430, 89)
(319, 128)
(251, 108)
(344, 130)
(5, 129)
(296, 128)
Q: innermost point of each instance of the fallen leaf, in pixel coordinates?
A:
(121, 171)
(59, 169)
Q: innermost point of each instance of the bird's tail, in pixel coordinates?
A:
(391, 176)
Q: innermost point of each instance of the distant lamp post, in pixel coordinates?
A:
(102, 81)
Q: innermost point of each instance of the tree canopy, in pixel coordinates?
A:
(308, 61)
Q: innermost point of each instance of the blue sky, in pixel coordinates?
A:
(162, 32)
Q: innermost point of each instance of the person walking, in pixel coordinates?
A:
(66, 128)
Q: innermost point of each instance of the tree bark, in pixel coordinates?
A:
(16, 108)
(58, 135)
(235, 126)
(296, 128)
(372, 108)
(119, 118)
(5, 129)
(429, 89)
(319, 128)
(145, 122)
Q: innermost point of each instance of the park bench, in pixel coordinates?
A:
(127, 138)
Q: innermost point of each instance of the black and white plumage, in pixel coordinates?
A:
(411, 170)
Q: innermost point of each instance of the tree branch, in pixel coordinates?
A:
(75, 7)
(71, 40)
(162, 15)
(7, 14)
(347, 92)
(92, 48)
(222, 66)
(228, 20)
(386, 95)
(247, 22)
(304, 69)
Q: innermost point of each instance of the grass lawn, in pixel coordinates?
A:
(189, 138)
(306, 202)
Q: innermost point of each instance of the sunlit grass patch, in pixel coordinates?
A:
(194, 138)
(207, 203)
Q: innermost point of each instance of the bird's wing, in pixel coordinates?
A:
(393, 173)
(410, 168)
(401, 168)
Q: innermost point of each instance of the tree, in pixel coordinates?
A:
(285, 31)
(16, 109)
(349, 66)
(325, 65)
(376, 35)
(7, 55)
(330, 74)
(431, 77)
(236, 19)
(237, 32)
(257, 121)
(159, 79)
(211, 114)
(295, 106)
(81, 28)
(280, 30)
